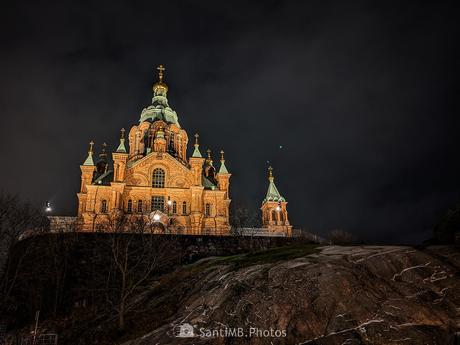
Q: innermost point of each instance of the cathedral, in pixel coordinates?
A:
(153, 178)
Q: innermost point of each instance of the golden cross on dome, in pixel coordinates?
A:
(196, 138)
(122, 133)
(91, 143)
(270, 171)
(160, 69)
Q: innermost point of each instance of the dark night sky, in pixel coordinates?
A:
(362, 98)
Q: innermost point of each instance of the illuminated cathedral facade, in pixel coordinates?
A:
(153, 178)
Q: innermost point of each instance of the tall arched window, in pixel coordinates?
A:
(207, 210)
(139, 206)
(129, 208)
(104, 206)
(184, 208)
(174, 207)
(281, 216)
(274, 216)
(158, 178)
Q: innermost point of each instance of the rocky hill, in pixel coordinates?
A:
(337, 295)
(296, 294)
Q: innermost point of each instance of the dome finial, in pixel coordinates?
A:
(209, 158)
(270, 173)
(222, 159)
(160, 88)
(223, 168)
(121, 147)
(196, 152)
(89, 159)
(160, 69)
(103, 154)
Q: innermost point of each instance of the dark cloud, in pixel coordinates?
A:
(362, 97)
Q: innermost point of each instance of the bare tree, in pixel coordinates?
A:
(175, 227)
(59, 246)
(137, 252)
(243, 218)
(340, 236)
(17, 220)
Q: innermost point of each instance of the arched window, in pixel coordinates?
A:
(129, 208)
(174, 207)
(139, 206)
(184, 208)
(281, 216)
(274, 216)
(104, 206)
(158, 178)
(207, 210)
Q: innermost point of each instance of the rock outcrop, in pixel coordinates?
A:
(337, 295)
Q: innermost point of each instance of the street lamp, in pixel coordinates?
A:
(48, 207)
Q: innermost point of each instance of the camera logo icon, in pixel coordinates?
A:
(185, 331)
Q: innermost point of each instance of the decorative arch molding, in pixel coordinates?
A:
(180, 181)
(137, 179)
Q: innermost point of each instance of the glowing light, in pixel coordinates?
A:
(278, 208)
(48, 207)
(156, 217)
(169, 202)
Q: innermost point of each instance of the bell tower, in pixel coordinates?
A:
(274, 210)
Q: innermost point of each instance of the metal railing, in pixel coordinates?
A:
(42, 339)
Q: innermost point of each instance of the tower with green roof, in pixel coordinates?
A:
(274, 209)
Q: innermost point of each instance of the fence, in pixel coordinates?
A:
(42, 339)
(249, 232)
